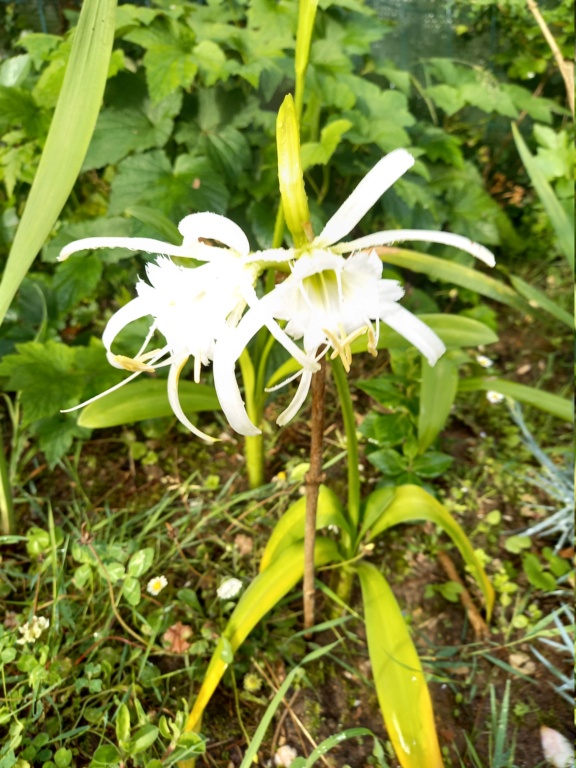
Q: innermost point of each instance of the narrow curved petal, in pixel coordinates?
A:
(297, 400)
(174, 400)
(227, 390)
(421, 235)
(146, 244)
(213, 226)
(103, 394)
(415, 331)
(371, 188)
(134, 310)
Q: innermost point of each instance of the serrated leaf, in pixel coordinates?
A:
(400, 683)
(145, 399)
(76, 279)
(149, 179)
(56, 435)
(449, 99)
(121, 131)
(319, 153)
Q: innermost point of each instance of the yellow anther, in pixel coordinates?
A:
(137, 363)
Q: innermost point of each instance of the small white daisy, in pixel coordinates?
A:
(494, 397)
(229, 589)
(484, 361)
(156, 585)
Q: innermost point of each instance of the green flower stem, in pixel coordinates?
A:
(7, 522)
(254, 445)
(351, 442)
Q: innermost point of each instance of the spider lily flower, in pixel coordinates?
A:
(329, 300)
(190, 307)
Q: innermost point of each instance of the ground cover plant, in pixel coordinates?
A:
(124, 620)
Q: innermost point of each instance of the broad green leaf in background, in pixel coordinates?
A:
(400, 683)
(320, 152)
(438, 388)
(561, 407)
(267, 589)
(154, 218)
(290, 527)
(68, 139)
(563, 225)
(412, 503)
(145, 399)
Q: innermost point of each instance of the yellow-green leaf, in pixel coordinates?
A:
(438, 388)
(412, 504)
(261, 596)
(67, 142)
(290, 527)
(400, 683)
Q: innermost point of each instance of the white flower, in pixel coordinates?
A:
(328, 300)
(484, 361)
(558, 751)
(156, 585)
(285, 756)
(229, 589)
(494, 397)
(190, 307)
(32, 629)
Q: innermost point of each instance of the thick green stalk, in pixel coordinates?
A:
(351, 442)
(7, 523)
(254, 445)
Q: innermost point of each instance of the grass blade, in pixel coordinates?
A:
(545, 401)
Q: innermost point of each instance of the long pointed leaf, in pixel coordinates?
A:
(558, 406)
(536, 298)
(264, 592)
(437, 393)
(67, 142)
(452, 272)
(290, 527)
(411, 504)
(400, 684)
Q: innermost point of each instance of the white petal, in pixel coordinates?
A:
(173, 378)
(298, 399)
(103, 394)
(227, 389)
(146, 244)
(212, 226)
(392, 236)
(415, 331)
(134, 310)
(371, 188)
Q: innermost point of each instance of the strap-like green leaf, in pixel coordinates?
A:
(400, 684)
(545, 401)
(538, 299)
(290, 527)
(563, 225)
(411, 504)
(452, 272)
(145, 399)
(68, 139)
(264, 592)
(437, 392)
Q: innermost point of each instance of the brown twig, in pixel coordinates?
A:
(478, 624)
(313, 479)
(566, 67)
